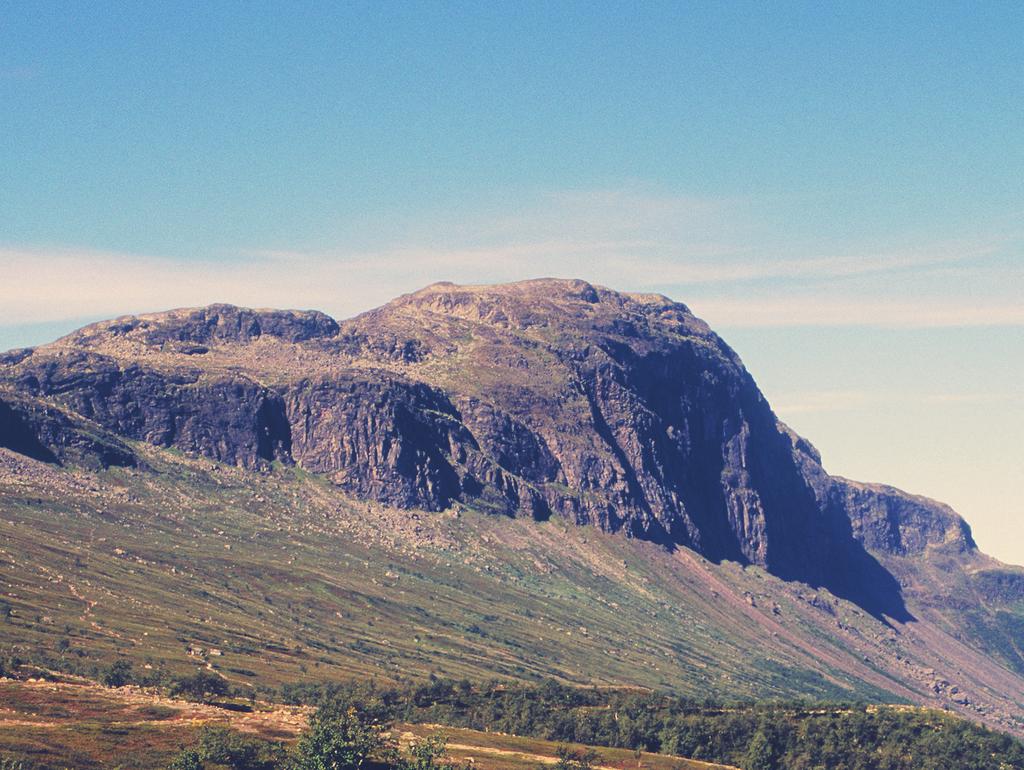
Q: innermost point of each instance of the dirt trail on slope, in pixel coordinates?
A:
(460, 745)
(544, 759)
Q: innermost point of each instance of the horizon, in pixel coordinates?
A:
(836, 191)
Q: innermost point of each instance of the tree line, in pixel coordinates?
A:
(750, 735)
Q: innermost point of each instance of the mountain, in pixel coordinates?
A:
(501, 435)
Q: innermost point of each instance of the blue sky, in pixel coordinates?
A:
(837, 188)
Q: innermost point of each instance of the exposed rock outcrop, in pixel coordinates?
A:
(539, 398)
(216, 323)
(38, 430)
(229, 418)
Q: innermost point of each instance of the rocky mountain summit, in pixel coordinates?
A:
(541, 398)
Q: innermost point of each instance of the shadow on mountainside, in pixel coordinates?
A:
(854, 575)
(845, 567)
(18, 436)
(810, 540)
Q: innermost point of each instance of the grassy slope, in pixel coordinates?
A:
(289, 580)
(86, 726)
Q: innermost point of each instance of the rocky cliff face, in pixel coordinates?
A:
(229, 418)
(540, 398)
(36, 429)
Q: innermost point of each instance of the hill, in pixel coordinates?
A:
(538, 479)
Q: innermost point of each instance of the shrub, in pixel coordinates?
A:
(201, 686)
(118, 674)
(223, 748)
(341, 741)
(424, 754)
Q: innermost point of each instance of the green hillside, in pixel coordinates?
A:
(279, 578)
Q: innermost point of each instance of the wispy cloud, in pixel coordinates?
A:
(817, 401)
(701, 251)
(944, 312)
(54, 284)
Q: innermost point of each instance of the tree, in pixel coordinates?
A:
(341, 741)
(220, 746)
(187, 759)
(118, 674)
(202, 686)
(424, 754)
(569, 759)
(760, 753)
(223, 748)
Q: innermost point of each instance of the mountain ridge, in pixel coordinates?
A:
(604, 360)
(538, 400)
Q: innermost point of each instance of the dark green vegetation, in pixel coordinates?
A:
(492, 727)
(348, 731)
(83, 726)
(219, 747)
(795, 736)
(334, 740)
